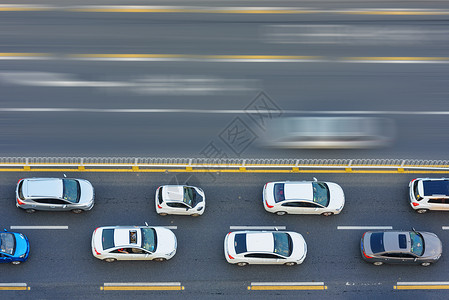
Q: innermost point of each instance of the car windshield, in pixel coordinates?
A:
(149, 239)
(279, 192)
(320, 193)
(282, 244)
(417, 241)
(71, 190)
(190, 196)
(7, 243)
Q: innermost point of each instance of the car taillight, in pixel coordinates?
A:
(415, 203)
(159, 206)
(366, 255)
(98, 253)
(269, 206)
(265, 185)
(20, 202)
(230, 256)
(413, 180)
(19, 180)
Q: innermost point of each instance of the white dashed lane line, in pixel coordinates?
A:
(39, 227)
(364, 227)
(257, 227)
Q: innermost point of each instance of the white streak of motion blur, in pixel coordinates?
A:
(159, 85)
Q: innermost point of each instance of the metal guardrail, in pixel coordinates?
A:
(225, 163)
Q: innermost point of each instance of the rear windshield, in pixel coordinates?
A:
(415, 190)
(21, 190)
(108, 238)
(7, 243)
(377, 242)
(320, 193)
(71, 190)
(282, 243)
(437, 187)
(278, 192)
(240, 243)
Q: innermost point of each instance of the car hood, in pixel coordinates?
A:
(337, 196)
(299, 246)
(87, 191)
(166, 240)
(22, 245)
(432, 245)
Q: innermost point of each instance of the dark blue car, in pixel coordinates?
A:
(14, 247)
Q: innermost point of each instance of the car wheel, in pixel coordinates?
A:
(378, 263)
(109, 260)
(160, 259)
(162, 214)
(290, 264)
(30, 210)
(421, 211)
(77, 211)
(195, 215)
(16, 262)
(281, 213)
(425, 264)
(327, 214)
(242, 264)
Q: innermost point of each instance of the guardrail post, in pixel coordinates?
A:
(189, 167)
(136, 165)
(26, 167)
(401, 168)
(242, 168)
(296, 168)
(81, 167)
(348, 168)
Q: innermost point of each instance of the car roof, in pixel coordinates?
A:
(435, 187)
(126, 237)
(298, 190)
(43, 187)
(390, 241)
(260, 242)
(173, 193)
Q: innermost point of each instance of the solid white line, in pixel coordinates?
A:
(170, 227)
(445, 227)
(363, 227)
(142, 283)
(13, 284)
(423, 283)
(218, 111)
(39, 227)
(286, 283)
(257, 227)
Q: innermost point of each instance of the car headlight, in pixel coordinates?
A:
(23, 255)
(171, 253)
(200, 208)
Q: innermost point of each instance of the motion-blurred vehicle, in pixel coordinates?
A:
(303, 197)
(59, 194)
(14, 247)
(180, 200)
(329, 132)
(401, 247)
(429, 194)
(265, 247)
(111, 243)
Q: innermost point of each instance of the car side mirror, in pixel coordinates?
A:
(146, 224)
(413, 228)
(314, 179)
(415, 259)
(5, 229)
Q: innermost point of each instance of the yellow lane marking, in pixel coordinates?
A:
(422, 287)
(286, 287)
(142, 288)
(393, 12)
(114, 170)
(398, 58)
(187, 56)
(14, 288)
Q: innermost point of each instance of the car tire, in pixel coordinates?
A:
(290, 264)
(426, 264)
(378, 263)
(16, 262)
(281, 213)
(109, 260)
(327, 214)
(242, 264)
(421, 211)
(77, 211)
(195, 215)
(160, 259)
(30, 210)
(162, 214)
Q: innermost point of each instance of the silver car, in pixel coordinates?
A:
(400, 247)
(59, 194)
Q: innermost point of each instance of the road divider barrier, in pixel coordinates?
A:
(228, 165)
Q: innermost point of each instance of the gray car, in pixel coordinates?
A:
(400, 247)
(59, 194)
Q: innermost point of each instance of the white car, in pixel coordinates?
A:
(113, 243)
(429, 194)
(180, 200)
(303, 197)
(265, 247)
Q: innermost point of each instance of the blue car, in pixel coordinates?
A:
(14, 247)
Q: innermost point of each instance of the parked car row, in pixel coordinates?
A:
(241, 247)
